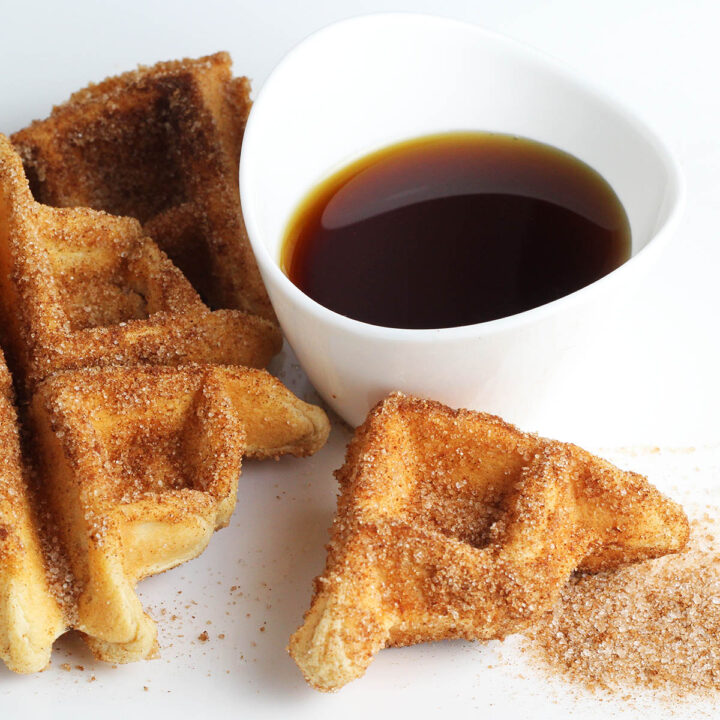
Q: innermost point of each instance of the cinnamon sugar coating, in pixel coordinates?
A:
(30, 614)
(136, 468)
(81, 288)
(161, 144)
(455, 524)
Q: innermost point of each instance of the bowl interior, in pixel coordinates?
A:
(368, 82)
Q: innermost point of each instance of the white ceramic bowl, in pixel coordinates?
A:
(370, 81)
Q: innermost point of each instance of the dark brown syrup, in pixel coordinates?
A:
(454, 229)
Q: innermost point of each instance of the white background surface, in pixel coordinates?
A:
(656, 383)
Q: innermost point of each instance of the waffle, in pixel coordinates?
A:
(137, 467)
(160, 144)
(81, 288)
(30, 616)
(454, 524)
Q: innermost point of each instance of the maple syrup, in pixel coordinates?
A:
(454, 229)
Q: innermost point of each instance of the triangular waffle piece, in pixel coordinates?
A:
(161, 144)
(455, 524)
(137, 467)
(82, 288)
(30, 616)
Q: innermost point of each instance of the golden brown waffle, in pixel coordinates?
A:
(455, 524)
(81, 288)
(30, 615)
(136, 469)
(161, 144)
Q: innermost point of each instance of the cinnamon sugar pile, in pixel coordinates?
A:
(654, 625)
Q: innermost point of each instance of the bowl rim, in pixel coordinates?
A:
(676, 193)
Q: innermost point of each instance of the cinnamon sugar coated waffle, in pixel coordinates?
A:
(161, 144)
(136, 409)
(30, 615)
(454, 524)
(136, 469)
(81, 288)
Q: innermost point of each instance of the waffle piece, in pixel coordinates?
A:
(161, 144)
(454, 524)
(139, 466)
(81, 288)
(30, 616)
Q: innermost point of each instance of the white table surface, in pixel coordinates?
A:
(655, 384)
